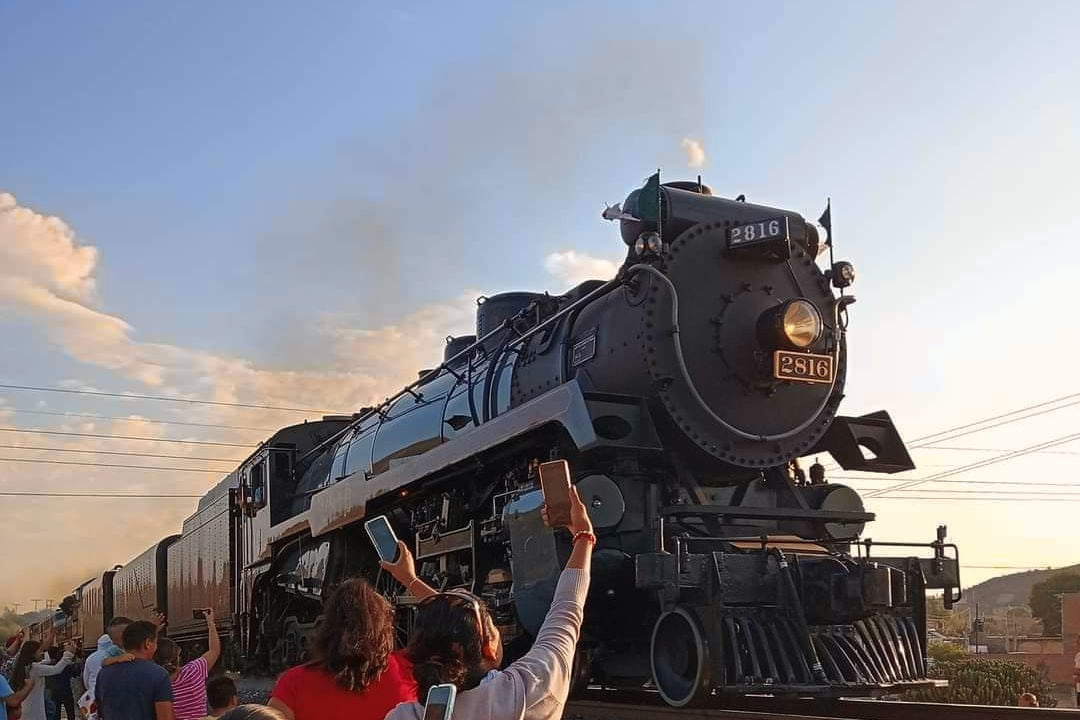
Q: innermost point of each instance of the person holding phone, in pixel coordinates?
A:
(31, 665)
(189, 680)
(455, 641)
(355, 673)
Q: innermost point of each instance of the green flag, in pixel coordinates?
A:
(648, 201)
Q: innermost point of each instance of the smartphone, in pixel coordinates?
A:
(555, 484)
(383, 538)
(440, 702)
(199, 613)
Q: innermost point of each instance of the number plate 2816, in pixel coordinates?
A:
(802, 367)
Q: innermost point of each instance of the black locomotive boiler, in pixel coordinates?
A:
(683, 392)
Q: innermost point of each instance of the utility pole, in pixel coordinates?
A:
(35, 601)
(16, 605)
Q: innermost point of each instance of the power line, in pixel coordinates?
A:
(1056, 493)
(977, 498)
(958, 482)
(930, 443)
(1071, 396)
(110, 465)
(116, 452)
(167, 398)
(978, 449)
(126, 437)
(135, 419)
(19, 493)
(980, 464)
(1007, 567)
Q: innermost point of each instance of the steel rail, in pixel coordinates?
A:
(610, 705)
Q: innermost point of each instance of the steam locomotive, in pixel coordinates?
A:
(683, 392)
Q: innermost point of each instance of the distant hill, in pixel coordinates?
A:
(1012, 589)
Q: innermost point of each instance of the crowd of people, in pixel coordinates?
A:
(136, 674)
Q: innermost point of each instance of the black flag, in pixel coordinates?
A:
(826, 221)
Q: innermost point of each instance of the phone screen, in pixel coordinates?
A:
(383, 537)
(440, 702)
(555, 484)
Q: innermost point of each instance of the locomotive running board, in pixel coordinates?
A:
(345, 503)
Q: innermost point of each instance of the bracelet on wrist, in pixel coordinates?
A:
(586, 535)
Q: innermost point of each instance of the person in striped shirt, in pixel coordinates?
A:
(189, 680)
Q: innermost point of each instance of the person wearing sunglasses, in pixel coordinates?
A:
(454, 640)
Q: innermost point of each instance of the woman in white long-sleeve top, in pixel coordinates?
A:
(455, 641)
(29, 664)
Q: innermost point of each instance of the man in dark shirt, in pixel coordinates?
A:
(58, 687)
(139, 689)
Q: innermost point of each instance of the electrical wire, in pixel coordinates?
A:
(919, 444)
(150, 421)
(1022, 483)
(38, 448)
(127, 437)
(976, 498)
(110, 465)
(37, 493)
(1045, 403)
(975, 449)
(1056, 493)
(977, 465)
(167, 398)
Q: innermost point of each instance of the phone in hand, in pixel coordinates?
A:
(383, 538)
(198, 614)
(555, 484)
(440, 702)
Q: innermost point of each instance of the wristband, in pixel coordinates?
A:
(584, 534)
(408, 588)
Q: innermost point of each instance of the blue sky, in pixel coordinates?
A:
(266, 183)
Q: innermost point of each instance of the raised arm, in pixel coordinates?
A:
(41, 669)
(548, 666)
(404, 571)
(214, 652)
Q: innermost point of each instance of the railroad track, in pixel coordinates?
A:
(600, 705)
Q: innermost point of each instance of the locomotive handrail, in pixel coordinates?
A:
(642, 267)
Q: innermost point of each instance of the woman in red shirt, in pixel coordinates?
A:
(355, 674)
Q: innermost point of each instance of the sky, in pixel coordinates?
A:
(293, 204)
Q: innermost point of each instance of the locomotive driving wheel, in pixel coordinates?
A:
(679, 655)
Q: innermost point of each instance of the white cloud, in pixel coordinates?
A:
(695, 152)
(572, 267)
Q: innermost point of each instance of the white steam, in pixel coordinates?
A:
(695, 152)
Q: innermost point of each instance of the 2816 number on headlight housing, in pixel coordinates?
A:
(802, 367)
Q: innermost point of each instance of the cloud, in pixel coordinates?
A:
(573, 267)
(695, 152)
(48, 275)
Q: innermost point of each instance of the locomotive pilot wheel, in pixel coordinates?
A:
(679, 655)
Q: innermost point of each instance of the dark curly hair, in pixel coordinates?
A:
(356, 636)
(167, 655)
(21, 670)
(447, 642)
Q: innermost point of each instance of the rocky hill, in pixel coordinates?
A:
(1012, 589)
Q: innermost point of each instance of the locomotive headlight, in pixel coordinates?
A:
(648, 242)
(800, 323)
(653, 243)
